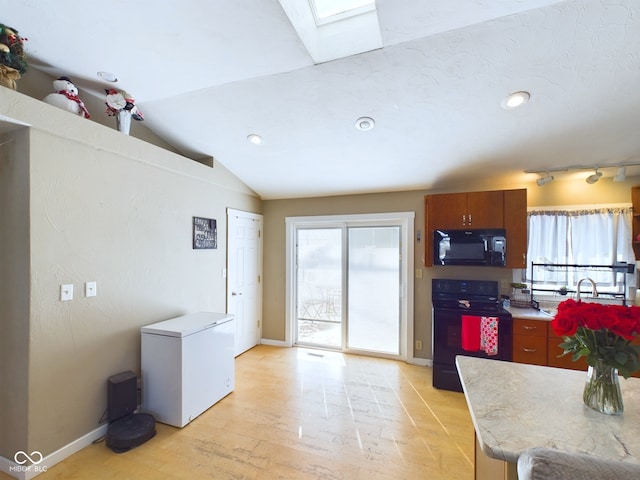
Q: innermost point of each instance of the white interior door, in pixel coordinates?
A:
(244, 277)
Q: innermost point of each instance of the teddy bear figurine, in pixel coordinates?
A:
(65, 96)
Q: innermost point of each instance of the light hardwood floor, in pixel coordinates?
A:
(304, 414)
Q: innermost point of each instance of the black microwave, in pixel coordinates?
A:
(470, 247)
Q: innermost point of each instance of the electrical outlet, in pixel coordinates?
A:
(66, 292)
(90, 289)
(418, 344)
(418, 272)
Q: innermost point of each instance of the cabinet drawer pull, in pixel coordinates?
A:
(529, 327)
(530, 350)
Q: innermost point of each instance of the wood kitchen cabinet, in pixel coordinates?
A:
(635, 228)
(554, 351)
(530, 341)
(535, 342)
(466, 210)
(477, 210)
(515, 223)
(564, 361)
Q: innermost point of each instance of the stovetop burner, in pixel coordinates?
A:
(473, 295)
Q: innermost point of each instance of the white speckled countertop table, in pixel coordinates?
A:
(516, 406)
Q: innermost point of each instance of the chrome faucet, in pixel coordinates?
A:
(594, 291)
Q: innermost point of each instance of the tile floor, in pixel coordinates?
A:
(304, 414)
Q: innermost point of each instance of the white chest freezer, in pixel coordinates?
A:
(187, 365)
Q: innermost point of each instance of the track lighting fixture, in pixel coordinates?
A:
(621, 175)
(544, 180)
(591, 179)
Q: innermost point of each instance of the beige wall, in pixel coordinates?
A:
(98, 206)
(561, 192)
(14, 294)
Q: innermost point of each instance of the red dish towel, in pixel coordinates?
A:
(470, 333)
(489, 335)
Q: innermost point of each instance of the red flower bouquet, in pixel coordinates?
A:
(601, 333)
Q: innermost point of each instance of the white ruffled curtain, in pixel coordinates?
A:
(599, 236)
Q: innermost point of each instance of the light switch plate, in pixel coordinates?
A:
(90, 289)
(66, 292)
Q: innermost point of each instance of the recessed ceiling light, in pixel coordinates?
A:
(365, 123)
(515, 100)
(107, 76)
(255, 139)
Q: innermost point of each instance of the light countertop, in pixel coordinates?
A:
(529, 313)
(516, 406)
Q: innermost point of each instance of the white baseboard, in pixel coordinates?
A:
(10, 467)
(274, 343)
(423, 362)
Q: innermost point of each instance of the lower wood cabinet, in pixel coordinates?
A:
(564, 361)
(535, 342)
(530, 341)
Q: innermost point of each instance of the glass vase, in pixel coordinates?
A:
(123, 121)
(602, 390)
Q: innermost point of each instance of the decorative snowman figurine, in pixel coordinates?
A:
(66, 97)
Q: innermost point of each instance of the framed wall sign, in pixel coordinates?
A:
(205, 233)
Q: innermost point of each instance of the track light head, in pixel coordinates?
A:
(591, 179)
(621, 175)
(544, 180)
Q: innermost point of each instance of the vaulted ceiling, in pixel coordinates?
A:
(207, 74)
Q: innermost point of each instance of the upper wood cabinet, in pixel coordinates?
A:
(466, 210)
(493, 209)
(635, 201)
(515, 223)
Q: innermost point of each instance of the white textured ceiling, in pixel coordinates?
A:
(208, 73)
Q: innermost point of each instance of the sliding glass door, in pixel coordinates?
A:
(319, 287)
(348, 287)
(373, 313)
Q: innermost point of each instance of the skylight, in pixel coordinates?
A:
(332, 29)
(326, 11)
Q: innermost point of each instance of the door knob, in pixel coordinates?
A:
(233, 294)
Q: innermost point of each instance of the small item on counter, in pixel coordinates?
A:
(506, 301)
